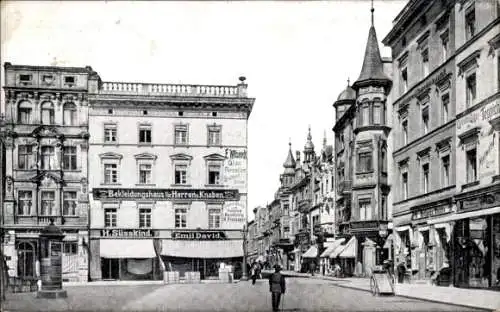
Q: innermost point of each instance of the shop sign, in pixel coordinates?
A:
(481, 202)
(234, 213)
(235, 168)
(164, 194)
(127, 233)
(199, 235)
(486, 113)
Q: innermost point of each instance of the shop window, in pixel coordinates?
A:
(70, 248)
(145, 173)
(24, 203)
(110, 133)
(26, 258)
(110, 217)
(181, 134)
(69, 114)
(69, 204)
(144, 217)
(48, 203)
(214, 218)
(471, 157)
(180, 217)
(48, 115)
(445, 171)
(110, 173)
(180, 174)
(470, 89)
(69, 158)
(365, 162)
(25, 157)
(365, 209)
(470, 22)
(24, 112)
(48, 158)
(145, 134)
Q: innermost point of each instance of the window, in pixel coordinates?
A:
(365, 162)
(25, 200)
(110, 173)
(69, 80)
(48, 158)
(214, 174)
(445, 171)
(180, 174)
(383, 211)
(404, 131)
(25, 78)
(425, 178)
(69, 158)
(144, 217)
(365, 209)
(470, 23)
(110, 217)
(404, 80)
(25, 159)
(425, 119)
(214, 135)
(181, 134)
(48, 116)
(425, 63)
(110, 133)
(145, 134)
(24, 112)
(383, 156)
(69, 203)
(180, 218)
(404, 185)
(470, 89)
(471, 165)
(366, 114)
(214, 218)
(145, 173)
(70, 248)
(48, 204)
(445, 102)
(69, 114)
(377, 114)
(445, 39)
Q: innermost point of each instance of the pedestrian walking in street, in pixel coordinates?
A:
(277, 287)
(253, 273)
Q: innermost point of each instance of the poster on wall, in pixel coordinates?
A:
(233, 215)
(235, 168)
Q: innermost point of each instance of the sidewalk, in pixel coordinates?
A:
(474, 298)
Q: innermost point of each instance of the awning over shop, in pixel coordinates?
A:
(126, 248)
(465, 215)
(312, 252)
(232, 248)
(332, 246)
(393, 240)
(350, 248)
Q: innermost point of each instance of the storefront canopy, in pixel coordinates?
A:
(350, 248)
(312, 252)
(127, 248)
(465, 215)
(202, 249)
(331, 247)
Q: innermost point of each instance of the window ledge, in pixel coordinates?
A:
(111, 184)
(214, 185)
(365, 172)
(71, 216)
(181, 185)
(111, 143)
(144, 144)
(145, 184)
(181, 144)
(470, 184)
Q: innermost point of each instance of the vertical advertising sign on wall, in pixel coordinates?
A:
(233, 215)
(235, 169)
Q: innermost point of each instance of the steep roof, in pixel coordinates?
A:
(289, 163)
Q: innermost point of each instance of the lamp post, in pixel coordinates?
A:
(244, 274)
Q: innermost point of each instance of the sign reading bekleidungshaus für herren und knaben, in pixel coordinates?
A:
(164, 194)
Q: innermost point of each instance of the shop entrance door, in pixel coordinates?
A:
(26, 260)
(110, 269)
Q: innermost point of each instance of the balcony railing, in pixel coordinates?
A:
(156, 89)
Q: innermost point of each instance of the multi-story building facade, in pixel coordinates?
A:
(445, 129)
(362, 143)
(169, 178)
(252, 248)
(46, 144)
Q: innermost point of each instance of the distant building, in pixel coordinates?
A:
(169, 178)
(446, 129)
(46, 143)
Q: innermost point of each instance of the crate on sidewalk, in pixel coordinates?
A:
(192, 277)
(171, 277)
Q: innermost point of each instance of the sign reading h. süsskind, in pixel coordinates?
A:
(127, 233)
(199, 235)
(164, 194)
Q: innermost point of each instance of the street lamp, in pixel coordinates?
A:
(244, 274)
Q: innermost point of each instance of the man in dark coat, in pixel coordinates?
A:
(276, 287)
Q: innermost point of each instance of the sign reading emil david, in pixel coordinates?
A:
(235, 168)
(164, 194)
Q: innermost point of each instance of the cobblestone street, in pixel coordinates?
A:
(302, 295)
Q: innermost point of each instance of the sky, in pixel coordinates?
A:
(296, 56)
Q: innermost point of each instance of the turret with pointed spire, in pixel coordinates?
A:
(309, 148)
(289, 165)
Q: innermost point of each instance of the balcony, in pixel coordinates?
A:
(42, 221)
(344, 187)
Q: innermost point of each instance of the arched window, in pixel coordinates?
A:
(48, 113)
(24, 111)
(69, 114)
(25, 260)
